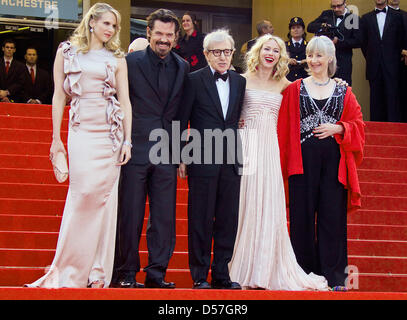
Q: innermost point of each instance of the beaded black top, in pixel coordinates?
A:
(315, 112)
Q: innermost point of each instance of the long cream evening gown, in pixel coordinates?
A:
(263, 256)
(85, 248)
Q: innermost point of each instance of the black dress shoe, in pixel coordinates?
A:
(161, 284)
(127, 284)
(201, 285)
(225, 284)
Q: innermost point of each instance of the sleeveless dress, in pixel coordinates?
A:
(263, 256)
(85, 248)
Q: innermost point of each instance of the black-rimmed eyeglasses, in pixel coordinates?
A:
(337, 6)
(218, 52)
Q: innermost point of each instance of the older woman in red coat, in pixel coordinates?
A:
(321, 139)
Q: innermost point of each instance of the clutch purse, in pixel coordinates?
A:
(60, 165)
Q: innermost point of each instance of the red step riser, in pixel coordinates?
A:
(381, 176)
(179, 260)
(377, 248)
(393, 265)
(54, 192)
(29, 123)
(29, 135)
(24, 161)
(386, 163)
(51, 223)
(29, 176)
(378, 217)
(25, 148)
(362, 232)
(383, 189)
(385, 128)
(384, 203)
(47, 240)
(386, 140)
(52, 207)
(45, 176)
(372, 232)
(386, 151)
(58, 192)
(20, 276)
(43, 258)
(182, 278)
(28, 110)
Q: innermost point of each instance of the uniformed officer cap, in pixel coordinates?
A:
(296, 21)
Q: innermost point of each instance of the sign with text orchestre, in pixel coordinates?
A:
(60, 9)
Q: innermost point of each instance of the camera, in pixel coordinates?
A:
(330, 31)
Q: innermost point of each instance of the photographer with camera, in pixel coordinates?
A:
(333, 24)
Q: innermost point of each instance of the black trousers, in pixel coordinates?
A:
(385, 97)
(159, 183)
(213, 210)
(318, 212)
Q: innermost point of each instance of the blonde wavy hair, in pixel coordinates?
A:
(81, 36)
(252, 57)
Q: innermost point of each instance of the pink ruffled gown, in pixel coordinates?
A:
(85, 249)
(263, 256)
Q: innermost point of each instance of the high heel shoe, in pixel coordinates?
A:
(97, 284)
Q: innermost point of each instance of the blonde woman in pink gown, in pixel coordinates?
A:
(90, 69)
(263, 256)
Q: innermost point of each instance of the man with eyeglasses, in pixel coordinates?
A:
(345, 35)
(383, 39)
(11, 74)
(213, 99)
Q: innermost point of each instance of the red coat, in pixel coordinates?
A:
(351, 143)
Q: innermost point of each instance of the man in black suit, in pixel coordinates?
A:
(212, 105)
(383, 39)
(395, 5)
(156, 81)
(11, 74)
(37, 84)
(346, 36)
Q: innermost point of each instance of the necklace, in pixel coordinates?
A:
(320, 84)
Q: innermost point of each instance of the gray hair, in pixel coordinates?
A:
(325, 46)
(220, 35)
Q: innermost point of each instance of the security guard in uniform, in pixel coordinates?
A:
(296, 46)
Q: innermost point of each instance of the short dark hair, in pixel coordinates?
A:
(8, 41)
(163, 15)
(32, 48)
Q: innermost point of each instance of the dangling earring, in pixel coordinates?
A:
(91, 30)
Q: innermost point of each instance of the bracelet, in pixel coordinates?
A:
(127, 143)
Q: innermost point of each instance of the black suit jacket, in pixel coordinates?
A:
(386, 50)
(201, 107)
(344, 47)
(14, 80)
(40, 90)
(148, 111)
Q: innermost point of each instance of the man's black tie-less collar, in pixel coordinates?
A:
(224, 76)
(384, 10)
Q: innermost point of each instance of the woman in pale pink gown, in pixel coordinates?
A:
(263, 256)
(90, 69)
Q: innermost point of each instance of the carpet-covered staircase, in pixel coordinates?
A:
(31, 205)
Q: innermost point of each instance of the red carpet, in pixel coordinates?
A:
(31, 204)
